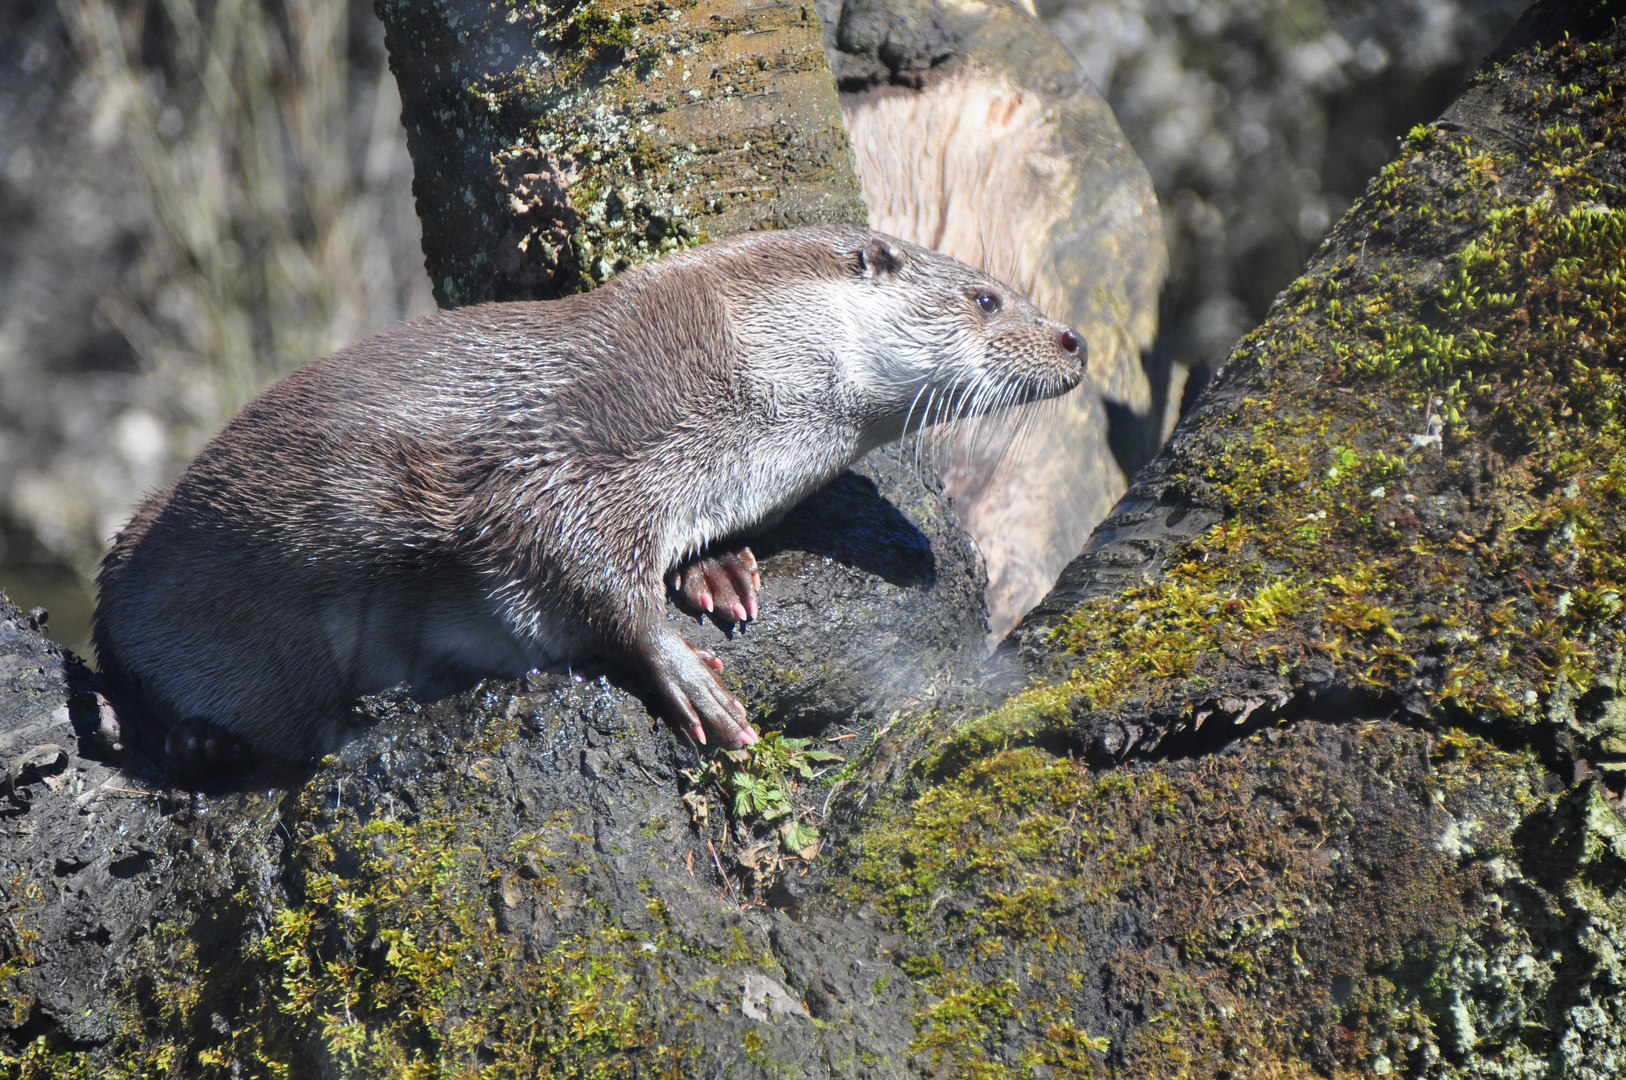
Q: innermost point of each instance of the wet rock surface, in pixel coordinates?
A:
(545, 819)
(93, 854)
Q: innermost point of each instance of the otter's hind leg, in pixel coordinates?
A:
(723, 585)
(686, 679)
(195, 743)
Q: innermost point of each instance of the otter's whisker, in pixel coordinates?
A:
(1001, 432)
(911, 410)
(927, 418)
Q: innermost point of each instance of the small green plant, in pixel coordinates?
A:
(756, 783)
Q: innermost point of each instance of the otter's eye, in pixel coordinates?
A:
(989, 303)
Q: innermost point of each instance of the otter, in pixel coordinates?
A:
(493, 489)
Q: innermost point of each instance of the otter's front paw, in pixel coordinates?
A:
(723, 585)
(686, 678)
(196, 743)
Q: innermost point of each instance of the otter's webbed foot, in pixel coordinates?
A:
(197, 743)
(723, 585)
(686, 679)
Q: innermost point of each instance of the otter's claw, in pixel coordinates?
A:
(724, 586)
(686, 678)
(196, 743)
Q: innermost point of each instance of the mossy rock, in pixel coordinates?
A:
(1321, 774)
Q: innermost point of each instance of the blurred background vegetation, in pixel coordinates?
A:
(1261, 122)
(197, 196)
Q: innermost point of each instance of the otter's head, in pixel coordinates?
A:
(936, 340)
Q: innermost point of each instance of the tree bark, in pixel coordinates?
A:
(555, 145)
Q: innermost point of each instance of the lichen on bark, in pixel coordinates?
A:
(556, 144)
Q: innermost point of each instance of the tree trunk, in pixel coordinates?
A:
(555, 145)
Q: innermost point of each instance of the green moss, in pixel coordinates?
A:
(1194, 1030)
(597, 34)
(392, 958)
(954, 1029)
(1395, 388)
(1025, 829)
(997, 861)
(1025, 719)
(37, 1060)
(21, 892)
(959, 1032)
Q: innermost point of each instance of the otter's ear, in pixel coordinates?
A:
(879, 258)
